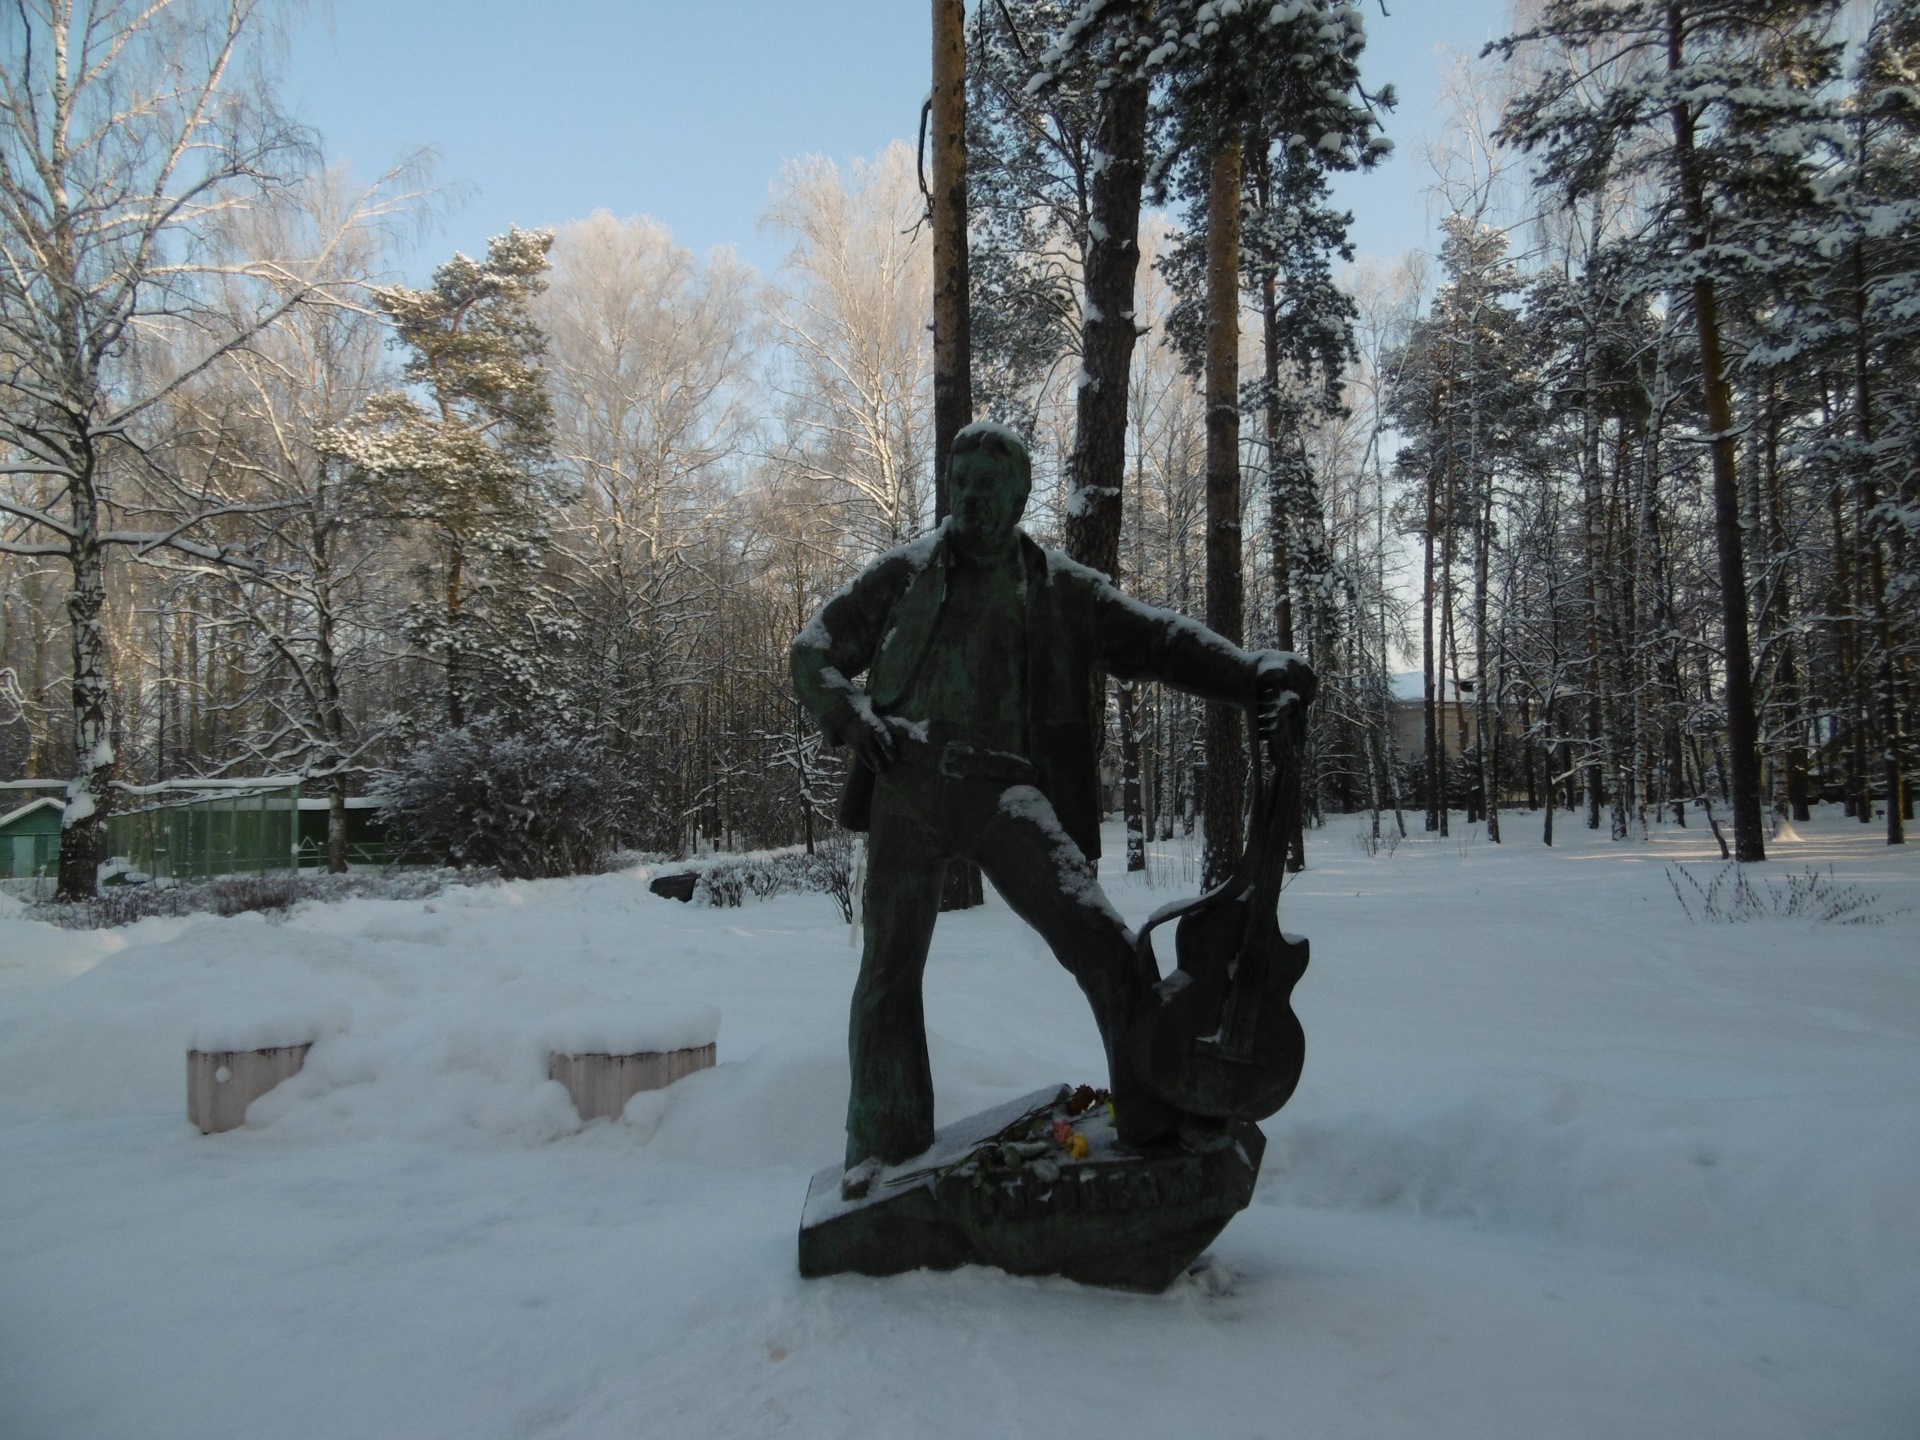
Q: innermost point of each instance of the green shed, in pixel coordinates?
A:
(30, 839)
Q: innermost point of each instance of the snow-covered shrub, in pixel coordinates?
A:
(238, 894)
(1812, 895)
(1371, 842)
(529, 805)
(730, 881)
(834, 859)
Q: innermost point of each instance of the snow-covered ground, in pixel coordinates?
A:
(1562, 1165)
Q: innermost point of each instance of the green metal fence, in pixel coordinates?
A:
(367, 842)
(240, 831)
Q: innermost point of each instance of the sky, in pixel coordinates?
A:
(541, 115)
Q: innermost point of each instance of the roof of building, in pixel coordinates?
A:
(27, 809)
(1410, 688)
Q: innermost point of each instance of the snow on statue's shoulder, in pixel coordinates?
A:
(916, 554)
(919, 551)
(630, 1029)
(1060, 563)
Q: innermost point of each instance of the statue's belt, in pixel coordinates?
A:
(967, 760)
(961, 761)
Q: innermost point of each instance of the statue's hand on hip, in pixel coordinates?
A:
(1283, 687)
(870, 738)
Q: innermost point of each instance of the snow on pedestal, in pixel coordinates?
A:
(233, 1060)
(606, 1058)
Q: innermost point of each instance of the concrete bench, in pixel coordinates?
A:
(601, 1085)
(221, 1084)
(236, 1056)
(604, 1057)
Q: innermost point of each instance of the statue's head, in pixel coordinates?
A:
(988, 479)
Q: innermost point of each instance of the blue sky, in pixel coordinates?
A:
(685, 111)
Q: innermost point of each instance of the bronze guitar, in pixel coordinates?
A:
(1218, 1036)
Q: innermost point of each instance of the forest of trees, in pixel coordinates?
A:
(1626, 470)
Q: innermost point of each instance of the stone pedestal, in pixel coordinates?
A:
(601, 1085)
(1008, 1188)
(222, 1083)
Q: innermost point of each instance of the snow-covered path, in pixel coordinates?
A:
(1563, 1165)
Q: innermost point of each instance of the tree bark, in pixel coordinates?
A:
(83, 834)
(952, 337)
(1743, 739)
(1430, 711)
(1892, 769)
(1097, 464)
(952, 343)
(1225, 764)
(1130, 801)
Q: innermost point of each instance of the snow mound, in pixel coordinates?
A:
(630, 1030)
(255, 1029)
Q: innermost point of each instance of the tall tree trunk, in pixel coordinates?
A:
(1225, 764)
(1743, 738)
(1891, 767)
(1594, 527)
(1778, 620)
(952, 337)
(1107, 330)
(1449, 653)
(456, 680)
(1483, 681)
(952, 340)
(1279, 496)
(1430, 710)
(83, 833)
(1130, 783)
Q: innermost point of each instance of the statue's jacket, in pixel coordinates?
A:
(1078, 627)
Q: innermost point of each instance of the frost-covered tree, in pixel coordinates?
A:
(1850, 286)
(309, 569)
(854, 326)
(1717, 103)
(462, 455)
(1236, 77)
(1460, 400)
(651, 357)
(133, 138)
(1030, 163)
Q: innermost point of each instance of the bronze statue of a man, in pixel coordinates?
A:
(974, 738)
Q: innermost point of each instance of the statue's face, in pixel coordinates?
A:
(986, 494)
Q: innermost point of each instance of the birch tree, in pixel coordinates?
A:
(132, 138)
(853, 322)
(311, 566)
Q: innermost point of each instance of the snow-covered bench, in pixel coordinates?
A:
(233, 1061)
(605, 1058)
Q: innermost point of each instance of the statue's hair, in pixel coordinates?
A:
(985, 437)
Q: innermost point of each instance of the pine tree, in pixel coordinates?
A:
(1705, 97)
(463, 456)
(1236, 77)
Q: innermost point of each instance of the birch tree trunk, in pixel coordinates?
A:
(83, 837)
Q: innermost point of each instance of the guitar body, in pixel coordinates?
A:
(1177, 1044)
(1218, 1037)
